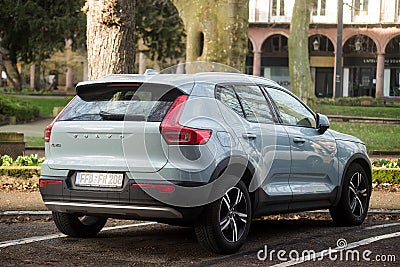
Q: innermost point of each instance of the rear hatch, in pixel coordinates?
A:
(112, 127)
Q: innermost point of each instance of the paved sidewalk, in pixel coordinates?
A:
(35, 129)
(21, 201)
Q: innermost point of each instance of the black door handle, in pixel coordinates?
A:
(249, 136)
(299, 140)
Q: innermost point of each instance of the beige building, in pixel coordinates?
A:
(370, 41)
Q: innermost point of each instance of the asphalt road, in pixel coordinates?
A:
(138, 244)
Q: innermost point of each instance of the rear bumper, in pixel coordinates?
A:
(128, 202)
(135, 211)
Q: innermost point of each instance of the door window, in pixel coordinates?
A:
(291, 110)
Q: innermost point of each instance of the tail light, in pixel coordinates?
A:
(176, 134)
(47, 130)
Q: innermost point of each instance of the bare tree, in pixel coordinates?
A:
(299, 64)
(216, 30)
(110, 36)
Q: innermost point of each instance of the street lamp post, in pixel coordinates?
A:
(338, 74)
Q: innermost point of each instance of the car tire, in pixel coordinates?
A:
(353, 204)
(78, 226)
(225, 223)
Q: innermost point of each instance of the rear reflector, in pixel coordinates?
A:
(159, 187)
(176, 134)
(45, 182)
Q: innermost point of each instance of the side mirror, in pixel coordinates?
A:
(322, 123)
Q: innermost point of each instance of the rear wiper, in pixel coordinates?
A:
(111, 116)
(119, 117)
(79, 116)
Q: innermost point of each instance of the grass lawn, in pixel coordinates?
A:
(382, 112)
(34, 141)
(46, 104)
(375, 136)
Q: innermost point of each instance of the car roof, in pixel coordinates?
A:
(177, 80)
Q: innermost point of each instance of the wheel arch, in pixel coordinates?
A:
(365, 163)
(237, 164)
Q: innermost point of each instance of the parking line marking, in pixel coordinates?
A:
(28, 240)
(325, 253)
(33, 239)
(25, 212)
(127, 226)
(381, 226)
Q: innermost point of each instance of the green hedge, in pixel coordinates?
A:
(386, 175)
(28, 160)
(354, 101)
(20, 171)
(19, 108)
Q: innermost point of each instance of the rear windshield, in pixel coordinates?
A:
(118, 102)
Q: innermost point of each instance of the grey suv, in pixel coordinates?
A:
(209, 150)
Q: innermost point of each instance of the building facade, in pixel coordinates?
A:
(370, 45)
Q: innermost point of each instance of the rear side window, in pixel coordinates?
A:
(227, 96)
(118, 102)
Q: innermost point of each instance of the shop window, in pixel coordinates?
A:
(275, 44)
(319, 7)
(320, 45)
(392, 66)
(274, 59)
(360, 7)
(249, 58)
(365, 80)
(278, 8)
(360, 44)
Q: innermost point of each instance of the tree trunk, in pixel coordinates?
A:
(299, 63)
(110, 37)
(11, 70)
(13, 74)
(36, 83)
(216, 30)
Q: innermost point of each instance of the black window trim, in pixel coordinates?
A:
(271, 104)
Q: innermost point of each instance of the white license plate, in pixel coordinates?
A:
(98, 179)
